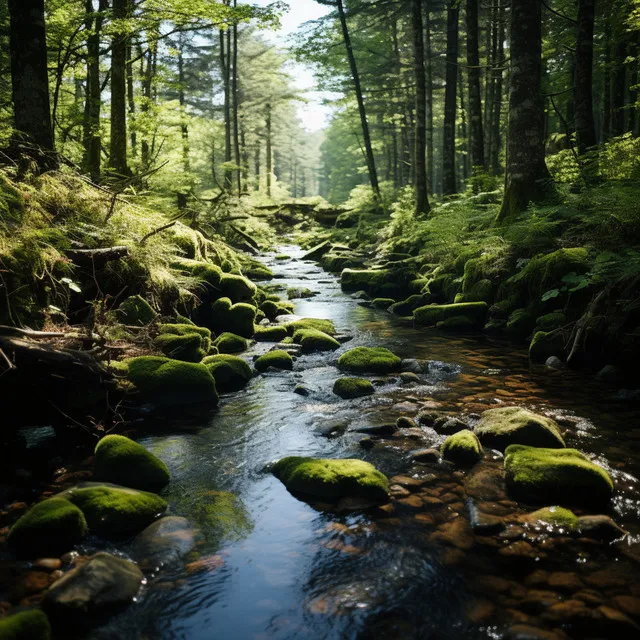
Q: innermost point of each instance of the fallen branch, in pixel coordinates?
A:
(97, 258)
(582, 323)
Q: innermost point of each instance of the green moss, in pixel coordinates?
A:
(326, 326)
(283, 256)
(443, 287)
(335, 262)
(270, 334)
(544, 345)
(167, 382)
(369, 360)
(52, 526)
(551, 321)
(237, 288)
(26, 625)
(257, 271)
(113, 510)
(180, 319)
(188, 348)
(230, 373)
(276, 358)
(352, 387)
(564, 476)
(11, 202)
(180, 329)
(313, 340)
(499, 428)
(272, 309)
(407, 307)
(481, 291)
(239, 318)
(556, 516)
(430, 315)
(382, 303)
(520, 323)
(462, 448)
(332, 478)
(136, 311)
(230, 343)
(376, 282)
(456, 323)
(125, 462)
(299, 292)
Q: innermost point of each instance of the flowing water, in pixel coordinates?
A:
(272, 566)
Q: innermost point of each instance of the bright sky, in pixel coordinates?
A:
(314, 114)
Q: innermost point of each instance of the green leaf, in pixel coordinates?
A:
(74, 286)
(548, 295)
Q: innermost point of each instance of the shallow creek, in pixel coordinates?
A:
(272, 566)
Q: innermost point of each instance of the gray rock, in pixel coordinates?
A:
(427, 456)
(342, 337)
(408, 377)
(367, 443)
(448, 425)
(428, 418)
(609, 374)
(600, 528)
(302, 390)
(378, 430)
(361, 295)
(411, 366)
(101, 585)
(164, 542)
(554, 363)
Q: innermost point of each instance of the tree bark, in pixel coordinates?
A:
(527, 177)
(583, 79)
(235, 104)
(29, 79)
(496, 141)
(118, 145)
(429, 97)
(476, 134)
(371, 165)
(184, 126)
(269, 167)
(225, 63)
(450, 99)
(422, 199)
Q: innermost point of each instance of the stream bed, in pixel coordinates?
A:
(271, 566)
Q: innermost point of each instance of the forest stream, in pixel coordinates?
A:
(269, 565)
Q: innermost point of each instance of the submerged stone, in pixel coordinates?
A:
(164, 542)
(334, 479)
(462, 448)
(369, 360)
(564, 476)
(499, 428)
(124, 462)
(352, 387)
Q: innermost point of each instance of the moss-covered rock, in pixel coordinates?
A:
(237, 288)
(122, 461)
(239, 318)
(316, 252)
(52, 526)
(180, 319)
(382, 303)
(230, 343)
(336, 261)
(456, 323)
(462, 448)
(555, 516)
(332, 479)
(26, 625)
(326, 326)
(230, 372)
(408, 306)
(564, 476)
(481, 291)
(443, 287)
(167, 382)
(352, 387)
(188, 347)
(275, 333)
(369, 360)
(499, 428)
(430, 315)
(313, 340)
(277, 359)
(520, 323)
(114, 510)
(544, 345)
(551, 321)
(299, 292)
(376, 282)
(136, 311)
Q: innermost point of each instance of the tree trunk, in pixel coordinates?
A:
(490, 85)
(422, 199)
(583, 80)
(118, 146)
(29, 79)
(371, 165)
(184, 126)
(496, 142)
(476, 134)
(429, 98)
(131, 102)
(527, 177)
(450, 99)
(225, 62)
(236, 97)
(268, 150)
(618, 82)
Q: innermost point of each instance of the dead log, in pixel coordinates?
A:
(96, 258)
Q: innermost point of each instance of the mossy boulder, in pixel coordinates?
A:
(382, 303)
(313, 340)
(115, 510)
(239, 318)
(481, 291)
(237, 288)
(352, 388)
(326, 326)
(136, 311)
(332, 479)
(185, 342)
(52, 526)
(456, 323)
(499, 428)
(551, 321)
(168, 382)
(520, 323)
(564, 476)
(544, 345)
(277, 359)
(408, 306)
(230, 372)
(26, 625)
(555, 516)
(316, 252)
(299, 292)
(275, 333)
(375, 282)
(124, 462)
(336, 261)
(430, 315)
(462, 448)
(369, 360)
(443, 287)
(230, 343)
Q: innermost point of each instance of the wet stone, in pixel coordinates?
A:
(47, 564)
(525, 632)
(455, 533)
(627, 604)
(408, 482)
(618, 625)
(426, 456)
(538, 600)
(565, 580)
(398, 491)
